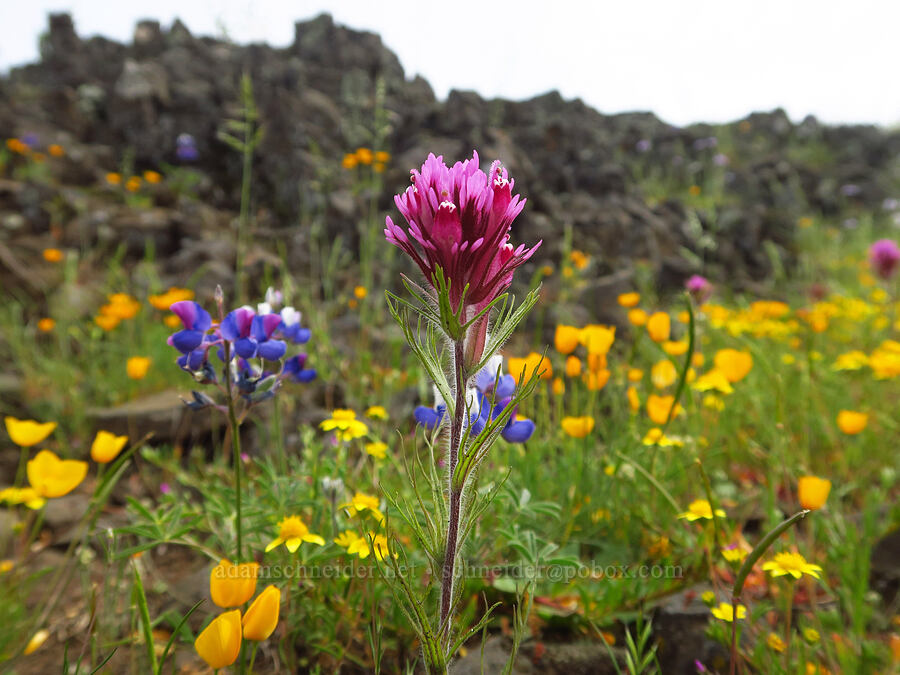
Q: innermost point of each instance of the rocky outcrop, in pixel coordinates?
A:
(610, 178)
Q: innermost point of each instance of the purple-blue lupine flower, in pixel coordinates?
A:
(186, 148)
(294, 369)
(290, 328)
(501, 391)
(31, 139)
(261, 330)
(197, 322)
(430, 418)
(236, 329)
(251, 334)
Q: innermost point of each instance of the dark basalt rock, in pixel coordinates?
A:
(318, 99)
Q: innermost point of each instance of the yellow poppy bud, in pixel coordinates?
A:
(106, 447)
(659, 326)
(637, 317)
(852, 422)
(232, 585)
(220, 642)
(813, 491)
(629, 299)
(573, 366)
(566, 339)
(262, 617)
(137, 366)
(577, 427)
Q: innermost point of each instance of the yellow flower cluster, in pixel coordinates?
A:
(365, 157)
(119, 307)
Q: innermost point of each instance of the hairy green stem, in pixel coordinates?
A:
(448, 568)
(235, 449)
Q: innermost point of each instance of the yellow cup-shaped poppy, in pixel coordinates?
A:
(558, 387)
(262, 617)
(136, 367)
(733, 364)
(232, 585)
(51, 476)
(573, 366)
(566, 339)
(813, 491)
(26, 433)
(852, 422)
(637, 317)
(629, 299)
(577, 427)
(659, 326)
(658, 408)
(598, 338)
(220, 642)
(595, 381)
(663, 374)
(106, 447)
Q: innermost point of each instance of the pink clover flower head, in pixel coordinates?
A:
(699, 287)
(884, 256)
(459, 219)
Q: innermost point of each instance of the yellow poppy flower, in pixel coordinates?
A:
(51, 476)
(577, 427)
(637, 317)
(659, 326)
(629, 300)
(566, 339)
(634, 401)
(675, 347)
(261, 617)
(165, 300)
(573, 366)
(136, 367)
(528, 365)
(813, 492)
(26, 433)
(597, 339)
(852, 422)
(232, 585)
(733, 364)
(220, 642)
(659, 407)
(663, 374)
(106, 446)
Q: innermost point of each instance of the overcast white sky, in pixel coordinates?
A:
(685, 60)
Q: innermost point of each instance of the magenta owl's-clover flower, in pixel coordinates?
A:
(884, 255)
(459, 219)
(699, 288)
